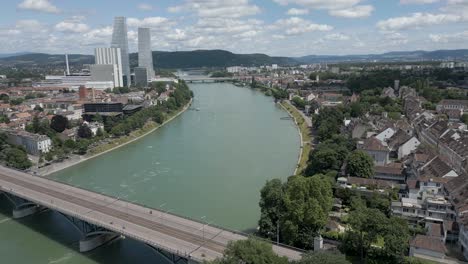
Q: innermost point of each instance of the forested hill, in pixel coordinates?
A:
(222, 58)
(212, 58)
(166, 60)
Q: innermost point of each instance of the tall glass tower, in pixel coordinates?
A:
(120, 40)
(145, 55)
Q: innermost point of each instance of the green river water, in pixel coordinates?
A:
(208, 163)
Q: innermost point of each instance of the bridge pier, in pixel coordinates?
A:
(21, 207)
(92, 236)
(92, 242)
(25, 211)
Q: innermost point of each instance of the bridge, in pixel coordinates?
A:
(203, 79)
(100, 218)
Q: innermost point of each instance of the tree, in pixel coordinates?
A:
(36, 125)
(250, 251)
(38, 108)
(17, 158)
(464, 118)
(322, 161)
(307, 202)
(59, 123)
(323, 258)
(84, 131)
(82, 146)
(299, 102)
(99, 132)
(366, 226)
(360, 164)
(271, 206)
(17, 101)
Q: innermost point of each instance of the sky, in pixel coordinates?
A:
(273, 27)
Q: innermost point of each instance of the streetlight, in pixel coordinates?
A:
(203, 221)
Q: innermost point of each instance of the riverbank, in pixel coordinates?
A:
(304, 134)
(149, 128)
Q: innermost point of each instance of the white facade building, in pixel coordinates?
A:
(112, 57)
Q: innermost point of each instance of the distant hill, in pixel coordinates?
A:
(222, 58)
(211, 58)
(5, 55)
(418, 55)
(166, 60)
(42, 59)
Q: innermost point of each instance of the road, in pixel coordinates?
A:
(160, 229)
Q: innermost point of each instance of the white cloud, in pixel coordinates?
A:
(145, 7)
(97, 37)
(297, 12)
(449, 38)
(337, 37)
(417, 20)
(321, 4)
(38, 5)
(353, 12)
(152, 22)
(297, 26)
(217, 8)
(418, 2)
(71, 27)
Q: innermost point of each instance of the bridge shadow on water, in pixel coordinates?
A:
(52, 225)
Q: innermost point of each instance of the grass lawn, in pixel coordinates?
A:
(305, 132)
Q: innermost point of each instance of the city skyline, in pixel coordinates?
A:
(274, 27)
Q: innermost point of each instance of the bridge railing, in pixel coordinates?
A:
(174, 214)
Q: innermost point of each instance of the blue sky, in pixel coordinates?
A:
(274, 27)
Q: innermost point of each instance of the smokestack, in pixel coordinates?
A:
(66, 61)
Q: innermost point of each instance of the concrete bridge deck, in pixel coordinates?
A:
(177, 235)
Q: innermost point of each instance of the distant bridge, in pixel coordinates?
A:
(203, 79)
(100, 218)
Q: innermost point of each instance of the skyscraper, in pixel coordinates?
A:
(120, 40)
(145, 55)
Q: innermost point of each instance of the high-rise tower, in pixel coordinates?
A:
(120, 40)
(145, 55)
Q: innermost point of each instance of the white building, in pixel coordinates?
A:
(408, 147)
(111, 57)
(385, 135)
(33, 143)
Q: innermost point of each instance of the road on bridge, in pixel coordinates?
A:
(175, 234)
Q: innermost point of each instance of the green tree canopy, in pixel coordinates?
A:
(250, 251)
(322, 257)
(301, 205)
(84, 131)
(17, 158)
(360, 164)
(59, 123)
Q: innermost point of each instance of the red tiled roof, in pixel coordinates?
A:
(429, 243)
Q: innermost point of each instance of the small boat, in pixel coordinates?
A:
(197, 109)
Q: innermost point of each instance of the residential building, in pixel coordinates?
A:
(448, 104)
(376, 149)
(145, 55)
(33, 143)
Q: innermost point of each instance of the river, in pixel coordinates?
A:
(208, 164)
